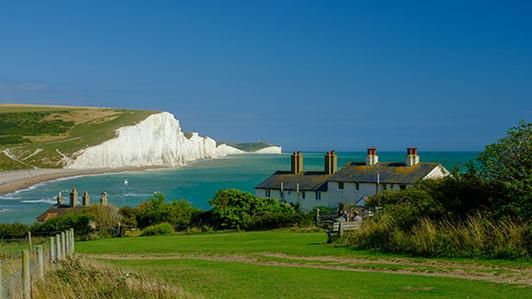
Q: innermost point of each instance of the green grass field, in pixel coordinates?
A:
(290, 264)
(39, 136)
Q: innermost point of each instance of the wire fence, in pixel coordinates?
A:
(23, 262)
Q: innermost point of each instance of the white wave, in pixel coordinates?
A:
(8, 197)
(3, 210)
(51, 201)
(138, 194)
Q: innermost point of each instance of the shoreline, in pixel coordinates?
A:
(13, 181)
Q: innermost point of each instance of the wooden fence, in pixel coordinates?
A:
(28, 263)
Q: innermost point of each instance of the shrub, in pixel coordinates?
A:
(158, 229)
(235, 209)
(179, 213)
(477, 236)
(129, 216)
(15, 230)
(105, 219)
(76, 220)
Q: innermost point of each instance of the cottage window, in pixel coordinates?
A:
(402, 187)
(340, 186)
(303, 194)
(268, 193)
(391, 186)
(318, 195)
(357, 186)
(384, 186)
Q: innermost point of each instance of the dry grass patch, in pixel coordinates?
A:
(85, 278)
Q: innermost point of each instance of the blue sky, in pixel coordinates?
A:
(310, 75)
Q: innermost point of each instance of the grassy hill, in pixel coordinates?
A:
(40, 136)
(289, 264)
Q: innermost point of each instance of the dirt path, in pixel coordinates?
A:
(478, 272)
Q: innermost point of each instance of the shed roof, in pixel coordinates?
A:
(389, 172)
(308, 181)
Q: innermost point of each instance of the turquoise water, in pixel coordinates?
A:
(197, 183)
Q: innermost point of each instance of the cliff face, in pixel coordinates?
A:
(274, 149)
(155, 141)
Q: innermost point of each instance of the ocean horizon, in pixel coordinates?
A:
(197, 182)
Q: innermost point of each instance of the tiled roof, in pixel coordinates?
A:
(308, 181)
(389, 172)
(56, 212)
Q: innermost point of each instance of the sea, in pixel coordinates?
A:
(197, 182)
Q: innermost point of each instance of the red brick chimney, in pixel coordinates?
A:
(330, 163)
(297, 163)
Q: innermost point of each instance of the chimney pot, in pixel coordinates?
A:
(331, 163)
(103, 199)
(412, 157)
(73, 197)
(59, 199)
(85, 199)
(372, 157)
(297, 163)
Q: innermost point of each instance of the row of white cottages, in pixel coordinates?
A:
(352, 184)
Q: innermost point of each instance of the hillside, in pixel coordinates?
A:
(87, 138)
(42, 136)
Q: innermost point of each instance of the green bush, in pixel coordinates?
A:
(15, 230)
(179, 213)
(234, 209)
(79, 222)
(158, 229)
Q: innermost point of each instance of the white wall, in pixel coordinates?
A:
(437, 173)
(349, 194)
(308, 203)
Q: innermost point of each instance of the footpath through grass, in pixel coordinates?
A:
(297, 265)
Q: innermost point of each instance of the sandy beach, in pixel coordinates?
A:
(11, 181)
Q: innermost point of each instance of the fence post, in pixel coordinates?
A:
(26, 280)
(67, 242)
(340, 229)
(29, 240)
(63, 245)
(52, 250)
(58, 247)
(1, 285)
(40, 259)
(72, 246)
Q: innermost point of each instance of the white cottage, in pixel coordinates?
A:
(351, 184)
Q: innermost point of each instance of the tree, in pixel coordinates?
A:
(509, 163)
(178, 212)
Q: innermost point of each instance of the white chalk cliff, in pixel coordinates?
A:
(156, 141)
(224, 149)
(274, 149)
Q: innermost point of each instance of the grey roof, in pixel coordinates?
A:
(308, 181)
(389, 172)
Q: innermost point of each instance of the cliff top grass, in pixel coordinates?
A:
(42, 136)
(291, 264)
